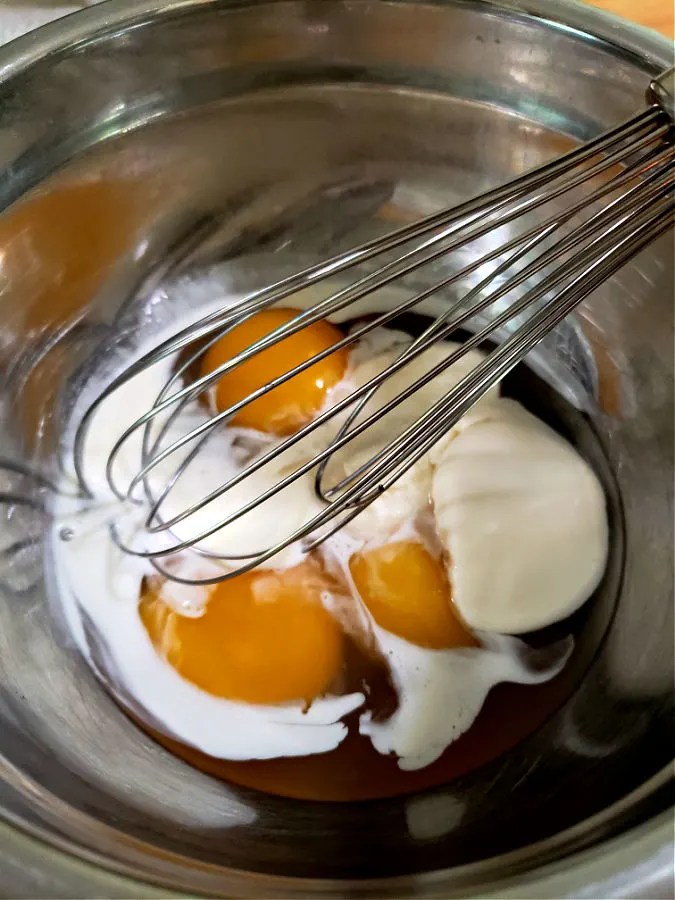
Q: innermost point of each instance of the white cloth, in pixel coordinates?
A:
(17, 19)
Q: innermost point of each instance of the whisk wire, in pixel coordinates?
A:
(439, 329)
(421, 424)
(512, 352)
(248, 306)
(541, 272)
(329, 304)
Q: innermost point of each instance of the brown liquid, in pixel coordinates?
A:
(356, 771)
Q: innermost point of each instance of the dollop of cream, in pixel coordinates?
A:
(523, 519)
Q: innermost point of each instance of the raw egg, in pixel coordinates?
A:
(264, 636)
(407, 593)
(287, 407)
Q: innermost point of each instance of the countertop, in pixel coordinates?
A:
(658, 15)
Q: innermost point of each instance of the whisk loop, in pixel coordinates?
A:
(615, 196)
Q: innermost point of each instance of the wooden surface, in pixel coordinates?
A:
(656, 14)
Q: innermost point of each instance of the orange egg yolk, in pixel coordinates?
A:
(289, 406)
(407, 593)
(264, 636)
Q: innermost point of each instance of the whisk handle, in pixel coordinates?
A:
(662, 91)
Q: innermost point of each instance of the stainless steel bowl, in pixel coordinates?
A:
(311, 124)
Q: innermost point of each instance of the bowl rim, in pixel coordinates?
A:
(546, 873)
(105, 18)
(646, 869)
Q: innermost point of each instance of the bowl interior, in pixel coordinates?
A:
(302, 128)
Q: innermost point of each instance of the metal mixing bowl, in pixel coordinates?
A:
(304, 126)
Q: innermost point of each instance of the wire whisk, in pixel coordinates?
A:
(595, 208)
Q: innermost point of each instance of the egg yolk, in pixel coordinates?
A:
(264, 636)
(407, 592)
(287, 407)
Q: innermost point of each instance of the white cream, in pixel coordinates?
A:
(441, 692)
(214, 463)
(411, 493)
(99, 583)
(105, 584)
(523, 519)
